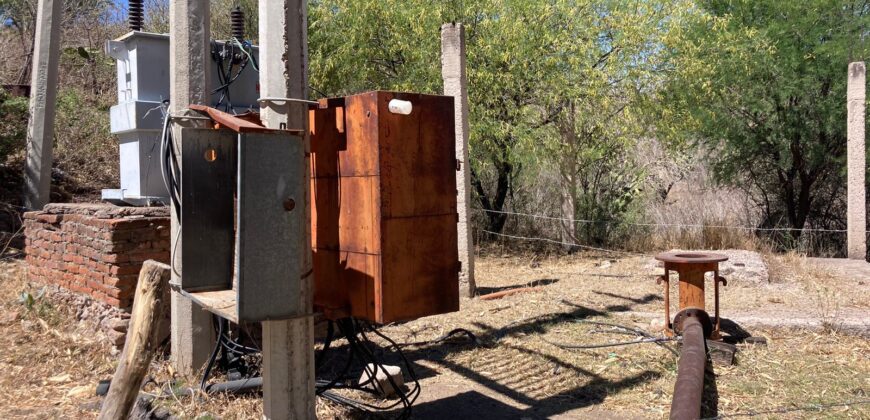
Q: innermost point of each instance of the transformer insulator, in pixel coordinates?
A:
(136, 14)
(237, 22)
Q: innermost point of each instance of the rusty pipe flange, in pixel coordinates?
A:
(691, 257)
(698, 313)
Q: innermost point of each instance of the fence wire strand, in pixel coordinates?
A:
(676, 225)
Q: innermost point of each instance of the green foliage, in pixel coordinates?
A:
(38, 305)
(761, 85)
(13, 125)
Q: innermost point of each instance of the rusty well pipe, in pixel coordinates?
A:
(689, 389)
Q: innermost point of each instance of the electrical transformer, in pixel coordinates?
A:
(142, 60)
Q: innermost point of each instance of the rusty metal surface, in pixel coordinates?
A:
(691, 267)
(384, 207)
(681, 318)
(689, 387)
(691, 257)
(245, 123)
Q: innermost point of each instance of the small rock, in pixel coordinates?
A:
(119, 325)
(79, 391)
(10, 318)
(63, 377)
(117, 338)
(755, 340)
(381, 383)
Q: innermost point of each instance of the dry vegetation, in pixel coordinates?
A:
(53, 362)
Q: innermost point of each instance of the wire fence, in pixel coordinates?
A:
(573, 244)
(830, 247)
(671, 225)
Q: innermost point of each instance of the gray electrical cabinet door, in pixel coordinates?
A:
(243, 214)
(270, 219)
(208, 174)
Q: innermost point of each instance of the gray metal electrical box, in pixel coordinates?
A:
(243, 206)
(142, 60)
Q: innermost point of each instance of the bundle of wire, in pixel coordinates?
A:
(232, 58)
(233, 353)
(360, 348)
(169, 163)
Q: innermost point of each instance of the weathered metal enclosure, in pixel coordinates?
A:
(383, 207)
(240, 232)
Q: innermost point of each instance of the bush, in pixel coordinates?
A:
(13, 125)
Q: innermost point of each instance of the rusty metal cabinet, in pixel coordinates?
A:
(383, 207)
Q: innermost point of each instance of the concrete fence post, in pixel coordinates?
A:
(43, 98)
(456, 85)
(856, 219)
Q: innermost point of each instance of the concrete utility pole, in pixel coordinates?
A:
(43, 98)
(189, 48)
(456, 85)
(856, 220)
(288, 345)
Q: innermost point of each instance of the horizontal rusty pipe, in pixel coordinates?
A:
(689, 388)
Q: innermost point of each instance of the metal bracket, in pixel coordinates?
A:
(287, 100)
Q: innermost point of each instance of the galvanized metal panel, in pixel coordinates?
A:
(207, 185)
(270, 220)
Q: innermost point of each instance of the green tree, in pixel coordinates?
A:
(602, 57)
(760, 85)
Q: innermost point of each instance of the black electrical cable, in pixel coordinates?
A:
(226, 343)
(471, 337)
(226, 57)
(211, 360)
(354, 332)
(170, 170)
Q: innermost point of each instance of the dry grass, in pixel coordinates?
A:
(514, 372)
(50, 363)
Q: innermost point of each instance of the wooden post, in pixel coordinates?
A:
(143, 337)
(43, 98)
(456, 85)
(288, 346)
(856, 167)
(189, 58)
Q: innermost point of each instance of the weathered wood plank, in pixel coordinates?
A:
(143, 337)
(218, 302)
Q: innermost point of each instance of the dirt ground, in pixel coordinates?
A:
(814, 315)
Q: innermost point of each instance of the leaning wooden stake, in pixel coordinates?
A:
(142, 339)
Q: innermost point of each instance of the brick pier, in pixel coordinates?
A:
(95, 249)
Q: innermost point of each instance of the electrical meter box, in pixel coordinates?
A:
(383, 206)
(142, 60)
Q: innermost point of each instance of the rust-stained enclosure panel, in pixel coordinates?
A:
(384, 207)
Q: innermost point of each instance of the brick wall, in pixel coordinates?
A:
(95, 249)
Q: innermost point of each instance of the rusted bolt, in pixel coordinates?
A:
(289, 204)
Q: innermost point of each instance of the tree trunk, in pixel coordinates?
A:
(495, 206)
(567, 226)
